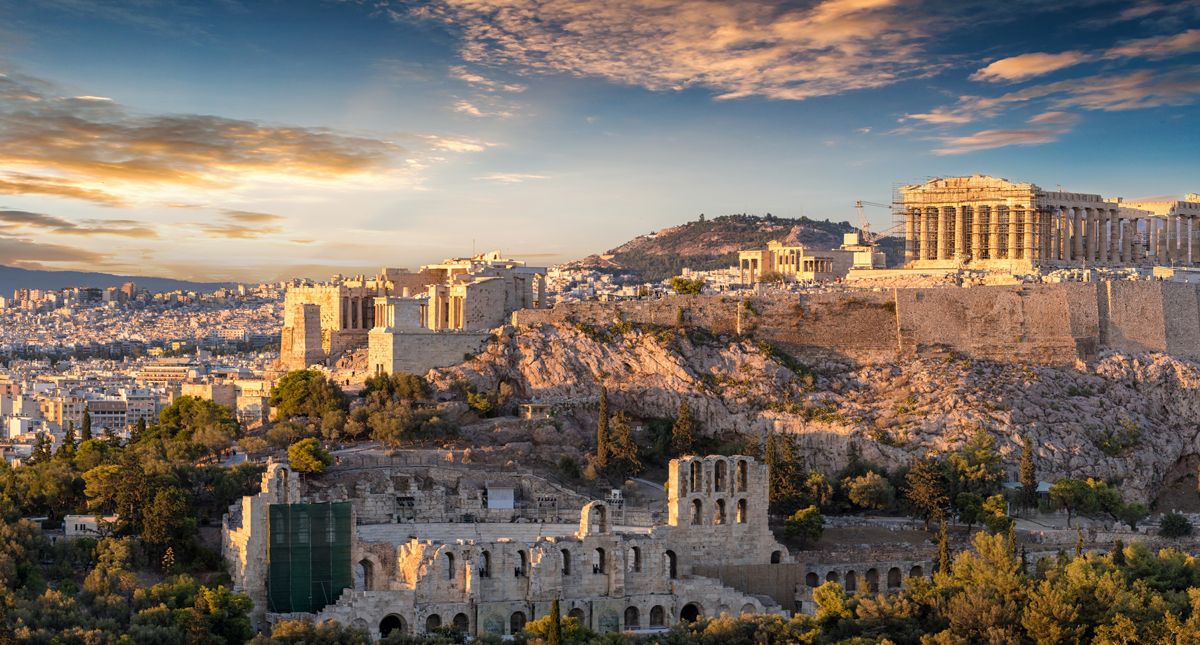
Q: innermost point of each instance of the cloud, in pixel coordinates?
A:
(1044, 128)
(512, 177)
(1019, 68)
(456, 144)
(1157, 48)
(463, 106)
(26, 253)
(14, 220)
(96, 150)
(244, 225)
(737, 49)
(253, 217)
(479, 81)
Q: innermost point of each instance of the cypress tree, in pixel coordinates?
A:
(85, 429)
(602, 430)
(622, 451)
(1028, 474)
(683, 433)
(139, 431)
(555, 635)
(1078, 541)
(1118, 553)
(67, 449)
(943, 565)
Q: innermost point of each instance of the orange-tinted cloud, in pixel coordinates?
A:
(26, 221)
(1018, 68)
(1041, 129)
(739, 49)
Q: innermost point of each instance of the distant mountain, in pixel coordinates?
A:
(714, 243)
(14, 278)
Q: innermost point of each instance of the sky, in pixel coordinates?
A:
(258, 140)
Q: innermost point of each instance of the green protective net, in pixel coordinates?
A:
(309, 556)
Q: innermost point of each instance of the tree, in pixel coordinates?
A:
(969, 508)
(199, 423)
(685, 287)
(995, 514)
(554, 635)
(1071, 495)
(783, 473)
(221, 616)
(943, 547)
(41, 450)
(817, 489)
(168, 521)
(622, 451)
(306, 393)
(67, 449)
(139, 430)
(805, 525)
(1131, 514)
(832, 603)
(870, 491)
(977, 464)
(308, 457)
(134, 495)
(602, 430)
(925, 490)
(1174, 525)
(683, 432)
(1028, 474)
(85, 428)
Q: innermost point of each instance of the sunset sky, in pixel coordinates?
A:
(259, 139)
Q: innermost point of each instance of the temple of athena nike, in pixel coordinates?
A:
(991, 223)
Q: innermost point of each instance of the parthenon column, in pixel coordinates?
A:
(1126, 242)
(993, 232)
(960, 234)
(923, 250)
(943, 234)
(1063, 237)
(1102, 236)
(1114, 242)
(910, 235)
(1169, 256)
(976, 233)
(1076, 234)
(1089, 237)
(1029, 252)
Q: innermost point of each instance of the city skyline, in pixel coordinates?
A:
(253, 141)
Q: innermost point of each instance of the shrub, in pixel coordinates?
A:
(1174, 525)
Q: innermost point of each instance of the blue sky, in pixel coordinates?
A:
(256, 140)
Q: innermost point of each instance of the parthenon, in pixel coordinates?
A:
(992, 223)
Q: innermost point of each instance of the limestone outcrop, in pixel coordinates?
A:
(1132, 418)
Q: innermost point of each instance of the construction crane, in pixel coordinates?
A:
(863, 224)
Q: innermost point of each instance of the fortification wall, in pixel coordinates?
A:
(1046, 323)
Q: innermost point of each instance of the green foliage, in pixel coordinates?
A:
(869, 491)
(306, 393)
(393, 421)
(926, 490)
(684, 430)
(805, 525)
(201, 423)
(622, 452)
(304, 632)
(602, 430)
(403, 385)
(1174, 525)
(308, 457)
(570, 630)
(1028, 474)
(686, 287)
(1119, 441)
(1071, 495)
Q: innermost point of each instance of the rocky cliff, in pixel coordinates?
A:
(1129, 418)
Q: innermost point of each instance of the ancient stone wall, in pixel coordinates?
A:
(419, 352)
(1045, 323)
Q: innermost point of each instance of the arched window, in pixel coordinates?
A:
(364, 574)
(485, 569)
(461, 623)
(657, 616)
(719, 476)
(719, 518)
(741, 511)
(697, 512)
(851, 581)
(522, 565)
(916, 571)
(669, 562)
(832, 576)
(697, 476)
(598, 563)
(566, 558)
(893, 579)
(578, 615)
(516, 622)
(635, 559)
(690, 613)
(776, 557)
(812, 579)
(449, 566)
(632, 618)
(742, 468)
(392, 624)
(872, 580)
(433, 622)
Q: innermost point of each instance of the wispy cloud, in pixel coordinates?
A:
(1026, 66)
(244, 225)
(25, 221)
(463, 106)
(481, 82)
(1041, 129)
(1018, 68)
(512, 177)
(738, 49)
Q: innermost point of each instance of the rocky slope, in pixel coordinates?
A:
(1131, 419)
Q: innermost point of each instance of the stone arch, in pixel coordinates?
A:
(832, 576)
(671, 564)
(893, 578)
(916, 571)
(392, 624)
(635, 559)
(364, 575)
(697, 512)
(691, 612)
(632, 618)
(599, 561)
(776, 557)
(566, 562)
(461, 623)
(432, 622)
(522, 568)
(719, 516)
(749, 609)
(657, 616)
(812, 579)
(593, 519)
(720, 476)
(697, 475)
(851, 581)
(872, 580)
(516, 622)
(741, 511)
(450, 566)
(485, 567)
(724, 610)
(578, 615)
(743, 468)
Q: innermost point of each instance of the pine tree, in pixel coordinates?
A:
(622, 451)
(602, 430)
(133, 496)
(683, 433)
(1028, 474)
(925, 490)
(139, 431)
(943, 565)
(85, 429)
(555, 635)
(1118, 552)
(41, 449)
(67, 449)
